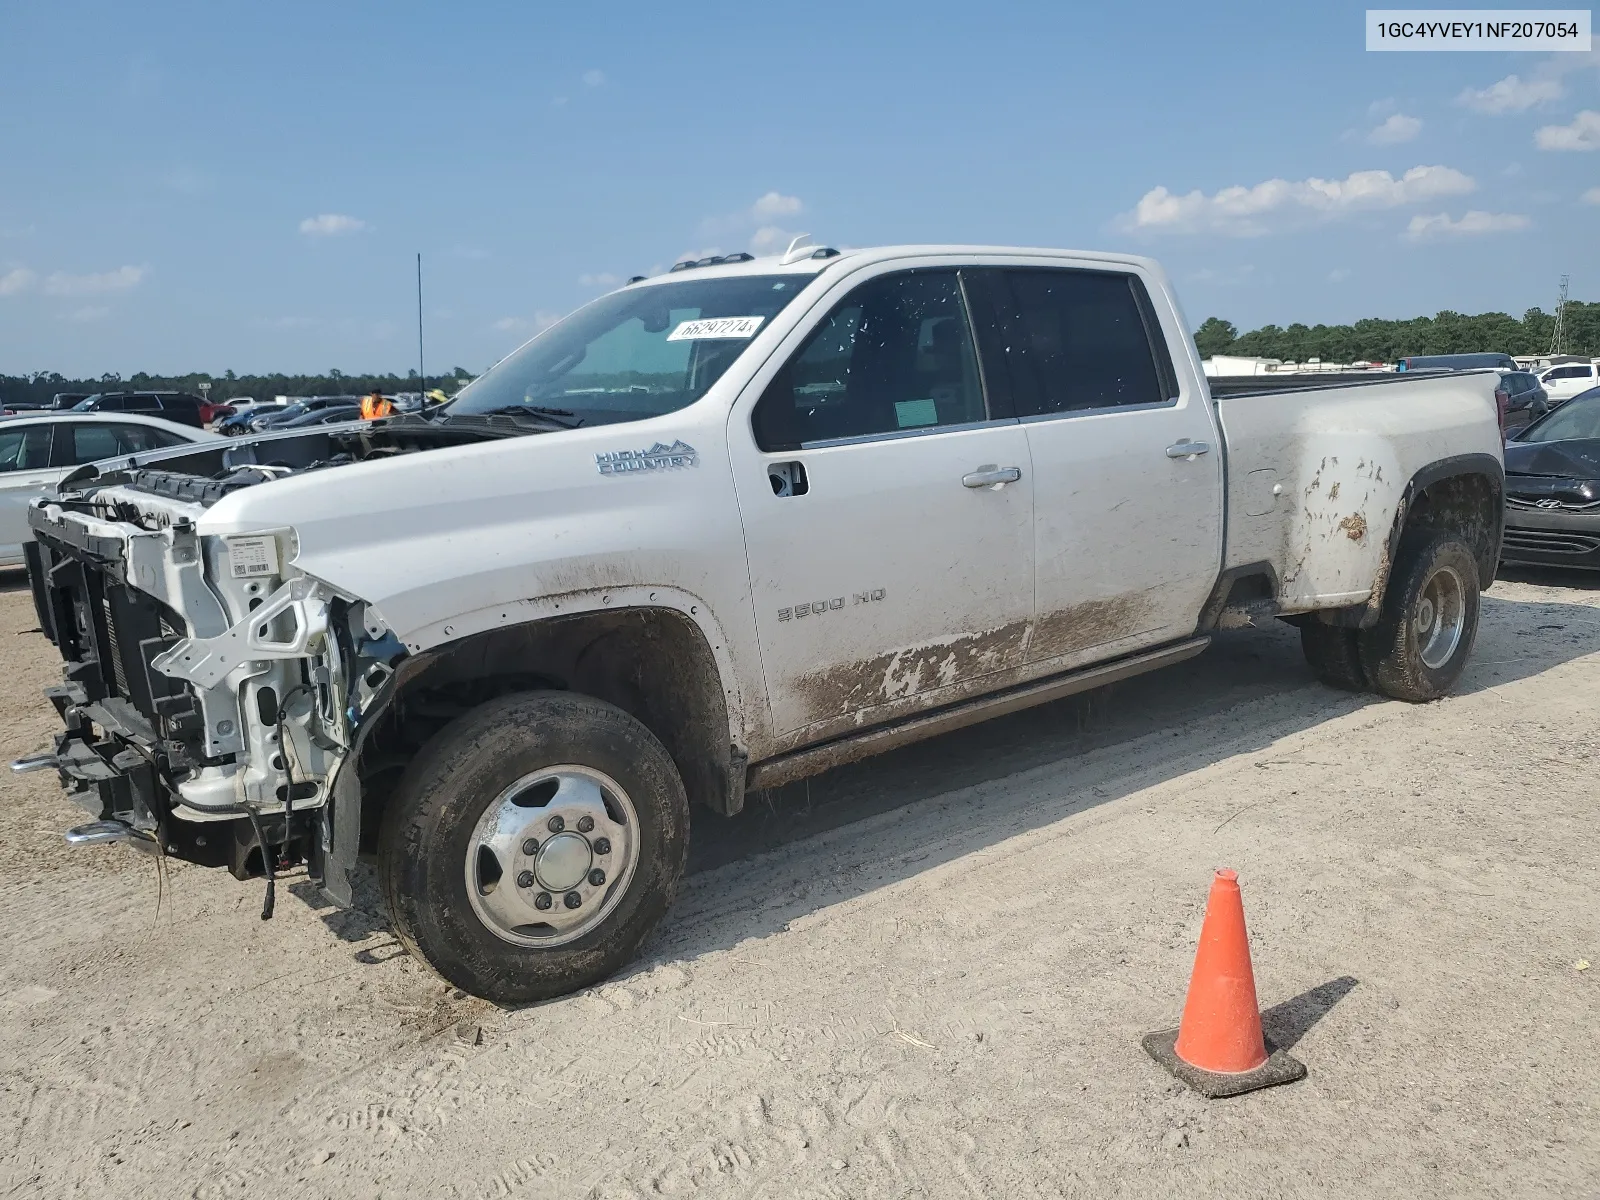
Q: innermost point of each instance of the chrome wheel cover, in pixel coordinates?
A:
(552, 856)
(1440, 618)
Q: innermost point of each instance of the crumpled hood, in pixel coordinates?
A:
(1578, 458)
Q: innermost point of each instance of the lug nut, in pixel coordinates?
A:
(573, 900)
(525, 879)
(602, 845)
(555, 824)
(585, 824)
(531, 846)
(542, 900)
(596, 877)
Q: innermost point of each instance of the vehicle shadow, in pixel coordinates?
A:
(811, 844)
(13, 579)
(797, 849)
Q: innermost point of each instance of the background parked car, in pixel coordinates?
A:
(1553, 488)
(1525, 399)
(1567, 380)
(36, 451)
(182, 407)
(333, 414)
(67, 399)
(264, 418)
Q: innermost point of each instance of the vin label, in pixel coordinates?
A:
(252, 557)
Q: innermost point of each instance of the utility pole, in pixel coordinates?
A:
(1558, 336)
(421, 373)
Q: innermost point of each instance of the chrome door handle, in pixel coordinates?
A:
(1187, 449)
(991, 476)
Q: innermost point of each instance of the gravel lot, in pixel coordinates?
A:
(921, 976)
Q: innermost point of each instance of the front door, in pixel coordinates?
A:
(1128, 469)
(25, 475)
(888, 519)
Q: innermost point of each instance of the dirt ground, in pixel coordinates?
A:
(925, 975)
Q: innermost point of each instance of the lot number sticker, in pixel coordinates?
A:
(252, 558)
(716, 327)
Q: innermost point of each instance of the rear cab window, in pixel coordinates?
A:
(1077, 341)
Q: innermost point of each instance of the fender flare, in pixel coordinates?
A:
(1455, 466)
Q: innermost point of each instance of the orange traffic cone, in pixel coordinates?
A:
(1218, 1048)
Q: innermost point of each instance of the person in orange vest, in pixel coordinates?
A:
(375, 406)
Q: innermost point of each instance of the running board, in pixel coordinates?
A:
(815, 759)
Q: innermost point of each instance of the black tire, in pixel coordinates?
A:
(430, 819)
(1334, 654)
(1390, 651)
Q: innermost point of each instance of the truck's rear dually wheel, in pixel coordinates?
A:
(533, 845)
(1419, 646)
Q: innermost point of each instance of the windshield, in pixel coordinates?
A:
(1577, 418)
(636, 353)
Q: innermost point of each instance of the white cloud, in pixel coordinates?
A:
(1248, 211)
(1513, 94)
(1592, 196)
(92, 312)
(1378, 107)
(331, 225)
(601, 279)
(1471, 224)
(770, 239)
(1398, 128)
(1582, 134)
(19, 279)
(776, 204)
(59, 283)
(593, 78)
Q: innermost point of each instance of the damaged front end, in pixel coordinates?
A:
(212, 692)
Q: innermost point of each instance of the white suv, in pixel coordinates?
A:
(1567, 380)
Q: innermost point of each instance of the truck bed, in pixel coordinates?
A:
(1316, 473)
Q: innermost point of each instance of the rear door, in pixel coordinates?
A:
(1127, 466)
(888, 511)
(25, 475)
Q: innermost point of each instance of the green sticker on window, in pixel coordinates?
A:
(911, 413)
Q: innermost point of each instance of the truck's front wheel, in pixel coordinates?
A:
(1419, 646)
(533, 845)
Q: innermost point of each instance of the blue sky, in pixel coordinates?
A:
(189, 186)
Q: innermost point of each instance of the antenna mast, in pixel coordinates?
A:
(1558, 336)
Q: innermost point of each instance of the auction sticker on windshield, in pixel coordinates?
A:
(716, 327)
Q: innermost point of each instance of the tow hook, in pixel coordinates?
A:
(100, 833)
(43, 761)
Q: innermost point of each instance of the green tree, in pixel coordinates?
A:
(1215, 336)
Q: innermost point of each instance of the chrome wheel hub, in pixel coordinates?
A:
(1441, 617)
(552, 855)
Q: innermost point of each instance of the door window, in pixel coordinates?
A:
(94, 441)
(25, 449)
(1082, 340)
(895, 356)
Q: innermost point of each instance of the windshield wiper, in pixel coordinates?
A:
(552, 415)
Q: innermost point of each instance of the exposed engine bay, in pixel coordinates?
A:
(203, 473)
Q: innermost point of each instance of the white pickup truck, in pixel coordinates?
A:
(718, 530)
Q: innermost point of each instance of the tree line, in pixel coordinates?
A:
(40, 386)
(1378, 339)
